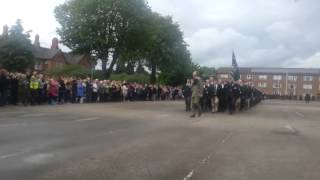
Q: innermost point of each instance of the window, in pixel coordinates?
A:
(263, 77)
(292, 78)
(262, 85)
(308, 78)
(292, 86)
(224, 76)
(277, 85)
(307, 86)
(277, 78)
(249, 76)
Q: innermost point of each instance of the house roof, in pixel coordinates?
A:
(73, 58)
(45, 53)
(271, 70)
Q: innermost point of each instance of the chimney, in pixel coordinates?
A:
(55, 43)
(37, 41)
(5, 30)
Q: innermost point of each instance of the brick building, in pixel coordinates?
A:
(47, 58)
(279, 81)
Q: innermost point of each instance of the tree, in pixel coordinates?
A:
(101, 27)
(128, 31)
(168, 53)
(16, 49)
(207, 71)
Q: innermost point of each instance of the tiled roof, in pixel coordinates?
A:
(271, 70)
(45, 53)
(73, 58)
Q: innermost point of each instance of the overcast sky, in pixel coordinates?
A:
(273, 33)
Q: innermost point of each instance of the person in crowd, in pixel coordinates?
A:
(81, 88)
(4, 85)
(197, 90)
(124, 92)
(95, 90)
(68, 93)
(34, 88)
(74, 94)
(24, 90)
(43, 90)
(14, 88)
(62, 90)
(308, 98)
(53, 91)
(187, 93)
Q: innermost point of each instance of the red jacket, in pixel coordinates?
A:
(53, 89)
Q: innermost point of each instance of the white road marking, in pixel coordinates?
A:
(206, 159)
(39, 158)
(189, 176)
(9, 155)
(87, 119)
(36, 115)
(292, 129)
(13, 124)
(300, 114)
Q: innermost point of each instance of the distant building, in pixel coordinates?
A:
(46, 58)
(279, 81)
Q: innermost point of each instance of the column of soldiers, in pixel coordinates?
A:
(215, 96)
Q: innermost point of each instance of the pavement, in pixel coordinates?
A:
(276, 140)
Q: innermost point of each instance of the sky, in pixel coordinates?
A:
(273, 33)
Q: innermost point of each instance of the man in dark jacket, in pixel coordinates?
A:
(4, 84)
(14, 87)
(214, 88)
(187, 92)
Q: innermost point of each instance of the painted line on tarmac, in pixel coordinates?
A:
(14, 154)
(87, 119)
(292, 129)
(36, 115)
(189, 176)
(300, 114)
(204, 161)
(12, 125)
(9, 155)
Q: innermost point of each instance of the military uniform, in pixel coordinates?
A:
(197, 90)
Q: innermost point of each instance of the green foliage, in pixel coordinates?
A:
(206, 72)
(131, 31)
(16, 49)
(138, 78)
(69, 70)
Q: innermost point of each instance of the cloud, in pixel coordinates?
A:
(263, 33)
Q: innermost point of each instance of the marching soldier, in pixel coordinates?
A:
(197, 90)
(213, 92)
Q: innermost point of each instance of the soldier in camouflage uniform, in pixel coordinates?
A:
(197, 93)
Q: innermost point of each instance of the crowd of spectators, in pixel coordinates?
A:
(36, 89)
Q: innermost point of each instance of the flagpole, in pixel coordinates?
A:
(286, 82)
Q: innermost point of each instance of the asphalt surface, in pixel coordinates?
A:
(276, 140)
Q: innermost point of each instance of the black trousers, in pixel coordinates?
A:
(188, 103)
(3, 97)
(34, 96)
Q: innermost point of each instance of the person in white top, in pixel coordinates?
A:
(124, 92)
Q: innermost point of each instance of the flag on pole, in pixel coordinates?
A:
(235, 69)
